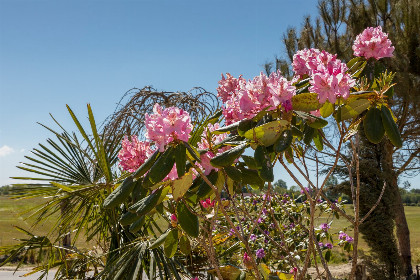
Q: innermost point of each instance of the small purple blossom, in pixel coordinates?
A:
(292, 225)
(344, 236)
(264, 211)
(272, 225)
(324, 227)
(260, 220)
(321, 244)
(266, 240)
(260, 253)
(329, 245)
(252, 237)
(254, 202)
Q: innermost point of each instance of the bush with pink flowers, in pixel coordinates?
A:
(199, 178)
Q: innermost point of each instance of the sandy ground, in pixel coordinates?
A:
(8, 273)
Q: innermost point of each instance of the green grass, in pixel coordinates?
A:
(10, 210)
(413, 219)
(12, 213)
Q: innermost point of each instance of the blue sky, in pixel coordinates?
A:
(54, 53)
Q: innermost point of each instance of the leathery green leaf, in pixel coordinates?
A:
(267, 134)
(180, 186)
(171, 243)
(187, 220)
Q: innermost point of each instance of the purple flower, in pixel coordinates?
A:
(344, 236)
(260, 220)
(321, 244)
(254, 202)
(252, 237)
(266, 240)
(325, 227)
(264, 211)
(292, 225)
(272, 225)
(260, 253)
(329, 245)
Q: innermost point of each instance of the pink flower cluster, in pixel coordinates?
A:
(207, 139)
(207, 203)
(328, 74)
(167, 125)
(372, 42)
(133, 153)
(245, 99)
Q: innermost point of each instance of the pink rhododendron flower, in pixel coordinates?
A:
(167, 125)
(133, 153)
(372, 42)
(281, 91)
(328, 74)
(303, 61)
(205, 144)
(245, 99)
(228, 85)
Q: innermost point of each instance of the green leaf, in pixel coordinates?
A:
(100, 151)
(128, 218)
(328, 255)
(264, 270)
(319, 144)
(145, 205)
(228, 128)
(353, 109)
(234, 173)
(187, 220)
(162, 166)
(205, 190)
(308, 134)
(159, 241)
(137, 225)
(307, 101)
(180, 159)
(326, 110)
(171, 243)
(227, 158)
(373, 126)
(193, 154)
(265, 168)
(391, 127)
(267, 134)
(180, 186)
(146, 165)
(284, 141)
(184, 245)
(119, 194)
(249, 161)
(251, 177)
(317, 123)
(244, 126)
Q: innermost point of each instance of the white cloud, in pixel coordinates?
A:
(6, 150)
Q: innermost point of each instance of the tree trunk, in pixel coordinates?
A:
(403, 233)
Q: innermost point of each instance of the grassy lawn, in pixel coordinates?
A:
(11, 209)
(12, 213)
(413, 218)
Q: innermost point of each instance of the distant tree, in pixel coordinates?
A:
(280, 186)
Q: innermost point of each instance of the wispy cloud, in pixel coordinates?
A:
(6, 150)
